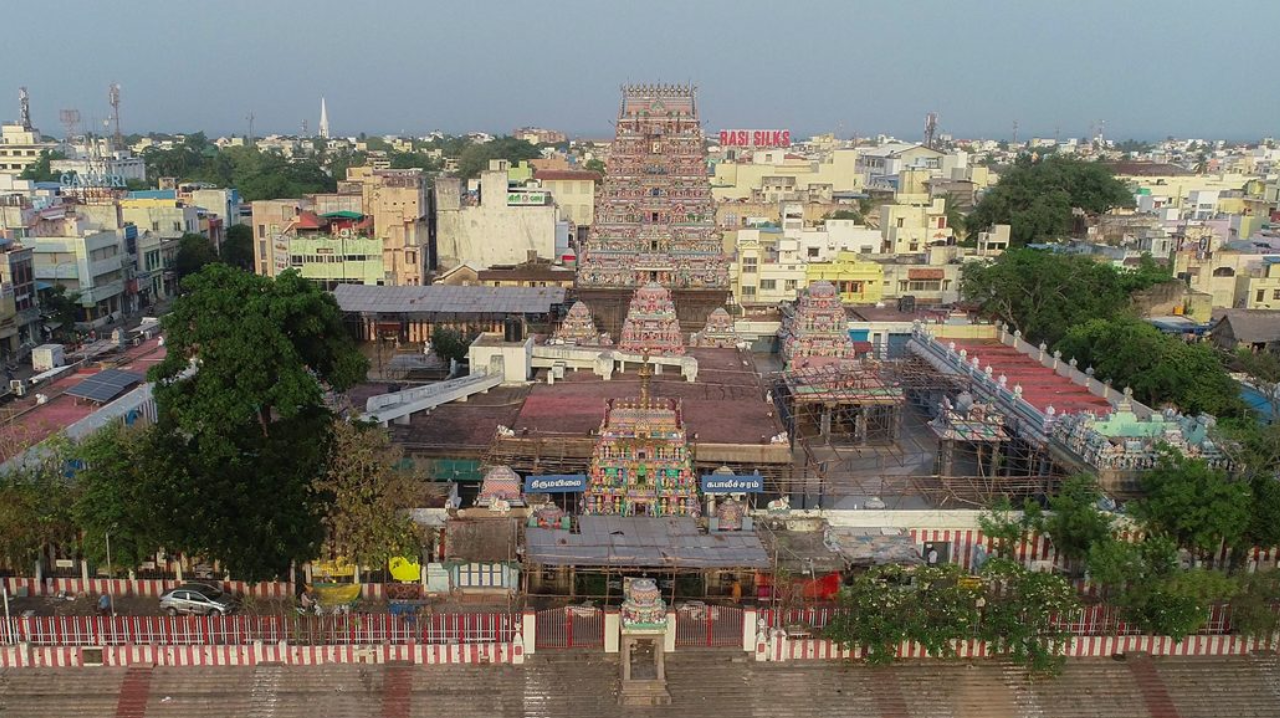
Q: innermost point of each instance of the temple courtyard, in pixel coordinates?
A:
(584, 685)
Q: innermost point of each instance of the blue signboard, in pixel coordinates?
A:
(732, 483)
(555, 484)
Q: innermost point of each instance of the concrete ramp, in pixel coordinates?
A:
(400, 406)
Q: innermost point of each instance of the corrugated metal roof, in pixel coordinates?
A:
(643, 541)
(441, 299)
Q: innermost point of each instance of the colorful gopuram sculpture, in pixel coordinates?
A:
(718, 334)
(642, 604)
(641, 465)
(654, 214)
(816, 334)
(579, 328)
(501, 487)
(651, 324)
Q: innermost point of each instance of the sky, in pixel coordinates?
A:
(1178, 67)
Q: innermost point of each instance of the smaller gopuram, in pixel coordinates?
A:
(641, 464)
(500, 489)
(816, 334)
(579, 328)
(651, 324)
(718, 334)
(644, 661)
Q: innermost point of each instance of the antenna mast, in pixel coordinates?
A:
(249, 141)
(114, 95)
(24, 108)
(930, 129)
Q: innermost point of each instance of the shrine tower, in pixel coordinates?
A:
(655, 218)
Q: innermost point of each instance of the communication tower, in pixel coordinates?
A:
(113, 95)
(930, 129)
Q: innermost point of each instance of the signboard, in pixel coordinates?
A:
(280, 253)
(75, 179)
(555, 484)
(522, 199)
(755, 138)
(732, 484)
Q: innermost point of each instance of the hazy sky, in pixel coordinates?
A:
(1177, 67)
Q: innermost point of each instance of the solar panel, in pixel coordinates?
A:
(105, 385)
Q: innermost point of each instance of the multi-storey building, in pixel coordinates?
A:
(768, 268)
(20, 147)
(655, 216)
(497, 224)
(86, 258)
(574, 192)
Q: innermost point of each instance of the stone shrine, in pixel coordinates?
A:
(641, 464)
(579, 328)
(718, 333)
(501, 486)
(643, 606)
(644, 627)
(816, 334)
(651, 325)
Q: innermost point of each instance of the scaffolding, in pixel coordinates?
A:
(847, 402)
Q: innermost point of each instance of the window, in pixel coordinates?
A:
(748, 292)
(155, 226)
(1275, 293)
(411, 257)
(791, 285)
(262, 246)
(262, 231)
(177, 226)
(768, 284)
(749, 265)
(1262, 293)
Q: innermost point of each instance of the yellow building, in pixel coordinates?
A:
(574, 191)
(738, 180)
(857, 281)
(913, 228)
(1264, 291)
(20, 147)
(767, 268)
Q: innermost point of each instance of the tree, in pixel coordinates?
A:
(35, 500)
(248, 431)
(367, 497)
(1020, 618)
(1074, 522)
(596, 165)
(115, 494)
(449, 344)
(194, 252)
(63, 309)
(475, 158)
(852, 214)
(1037, 198)
(1044, 294)
(237, 247)
(40, 170)
(1198, 507)
(1161, 369)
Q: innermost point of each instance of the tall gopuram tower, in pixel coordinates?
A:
(655, 219)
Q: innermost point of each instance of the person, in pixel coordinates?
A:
(737, 591)
(104, 605)
(308, 602)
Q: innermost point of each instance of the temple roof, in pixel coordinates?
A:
(642, 541)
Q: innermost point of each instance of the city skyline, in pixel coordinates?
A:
(824, 67)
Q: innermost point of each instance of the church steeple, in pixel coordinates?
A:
(324, 120)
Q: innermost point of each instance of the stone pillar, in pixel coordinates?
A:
(627, 643)
(529, 631)
(669, 638)
(749, 629)
(612, 630)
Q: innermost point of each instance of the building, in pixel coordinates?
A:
(1257, 330)
(17, 277)
(882, 166)
(20, 147)
(913, 228)
(496, 224)
(1263, 292)
(768, 268)
(772, 175)
(574, 191)
(397, 202)
(1223, 274)
(655, 216)
(856, 280)
(86, 258)
(533, 273)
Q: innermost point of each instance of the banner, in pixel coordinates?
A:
(555, 484)
(732, 484)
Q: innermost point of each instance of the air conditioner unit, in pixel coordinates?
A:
(18, 387)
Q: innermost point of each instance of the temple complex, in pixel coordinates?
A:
(816, 334)
(717, 334)
(654, 213)
(642, 465)
(651, 325)
(579, 328)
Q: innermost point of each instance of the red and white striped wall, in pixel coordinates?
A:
(149, 587)
(781, 648)
(72, 656)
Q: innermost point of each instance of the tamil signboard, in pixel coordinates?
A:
(555, 484)
(526, 199)
(732, 483)
(755, 138)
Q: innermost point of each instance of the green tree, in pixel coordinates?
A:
(1176, 603)
(1007, 529)
(595, 165)
(877, 607)
(1020, 618)
(450, 344)
(1252, 609)
(237, 247)
(852, 214)
(1037, 198)
(40, 170)
(1197, 506)
(1161, 369)
(194, 252)
(1074, 522)
(367, 496)
(247, 430)
(114, 494)
(475, 158)
(35, 500)
(1044, 294)
(63, 309)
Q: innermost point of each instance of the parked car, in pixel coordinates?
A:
(197, 599)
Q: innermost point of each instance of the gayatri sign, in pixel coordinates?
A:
(755, 138)
(75, 179)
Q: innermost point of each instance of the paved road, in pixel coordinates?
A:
(702, 685)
